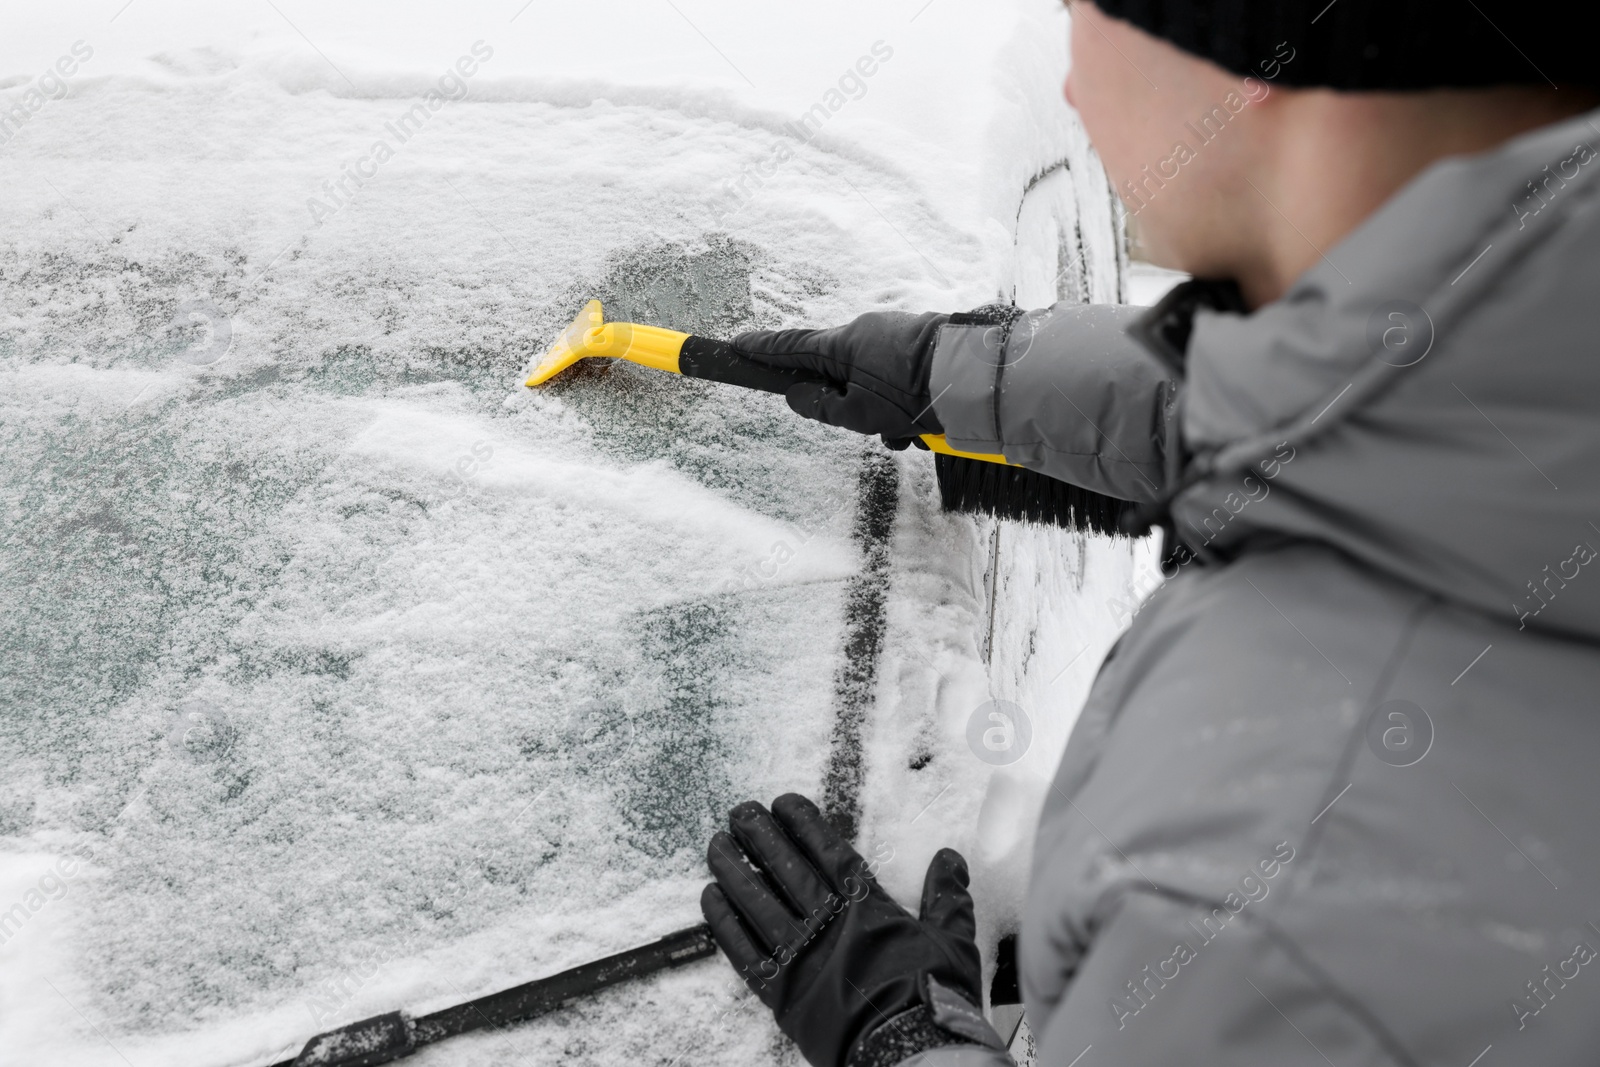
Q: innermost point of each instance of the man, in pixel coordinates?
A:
(1332, 797)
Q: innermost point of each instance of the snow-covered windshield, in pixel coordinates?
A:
(346, 673)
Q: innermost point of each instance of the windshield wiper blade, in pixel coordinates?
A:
(394, 1034)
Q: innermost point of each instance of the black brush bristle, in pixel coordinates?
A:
(976, 487)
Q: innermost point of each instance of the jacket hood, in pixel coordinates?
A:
(1427, 397)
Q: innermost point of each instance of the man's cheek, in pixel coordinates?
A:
(1119, 109)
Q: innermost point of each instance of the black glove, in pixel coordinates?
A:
(875, 371)
(841, 965)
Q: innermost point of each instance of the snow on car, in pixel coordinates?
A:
(341, 673)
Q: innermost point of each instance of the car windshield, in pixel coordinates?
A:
(357, 676)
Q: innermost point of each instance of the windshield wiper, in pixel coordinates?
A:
(395, 1034)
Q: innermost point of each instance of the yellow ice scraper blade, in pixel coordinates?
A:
(590, 335)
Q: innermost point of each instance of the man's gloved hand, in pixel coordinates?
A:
(875, 371)
(841, 965)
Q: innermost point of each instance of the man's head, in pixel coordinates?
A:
(1252, 171)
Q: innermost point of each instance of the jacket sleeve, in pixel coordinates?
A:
(960, 1056)
(946, 1030)
(1063, 391)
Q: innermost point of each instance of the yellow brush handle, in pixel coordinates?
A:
(648, 346)
(936, 443)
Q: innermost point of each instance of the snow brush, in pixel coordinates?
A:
(970, 482)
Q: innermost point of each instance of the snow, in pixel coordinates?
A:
(347, 675)
(1148, 283)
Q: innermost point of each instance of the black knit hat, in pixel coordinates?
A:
(1371, 45)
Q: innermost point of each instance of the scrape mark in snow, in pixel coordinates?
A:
(877, 500)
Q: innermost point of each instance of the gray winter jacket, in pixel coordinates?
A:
(1335, 796)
